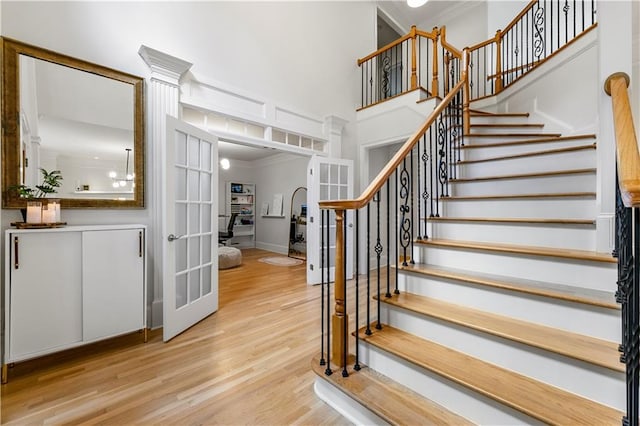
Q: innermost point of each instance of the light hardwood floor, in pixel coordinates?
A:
(249, 363)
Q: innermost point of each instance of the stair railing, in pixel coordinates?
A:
(542, 29)
(627, 247)
(400, 67)
(393, 211)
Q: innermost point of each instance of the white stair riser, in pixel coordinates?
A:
(488, 152)
(561, 208)
(544, 163)
(594, 321)
(593, 382)
(570, 183)
(457, 398)
(593, 275)
(580, 237)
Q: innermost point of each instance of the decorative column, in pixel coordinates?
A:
(332, 130)
(163, 98)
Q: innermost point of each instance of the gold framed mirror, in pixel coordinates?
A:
(66, 114)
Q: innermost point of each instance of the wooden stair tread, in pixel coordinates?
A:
(525, 175)
(584, 348)
(527, 141)
(536, 399)
(516, 196)
(585, 296)
(530, 154)
(516, 220)
(396, 404)
(478, 113)
(507, 125)
(512, 135)
(521, 249)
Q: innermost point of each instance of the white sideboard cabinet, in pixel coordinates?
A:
(66, 287)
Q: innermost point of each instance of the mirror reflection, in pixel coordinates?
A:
(78, 123)
(85, 120)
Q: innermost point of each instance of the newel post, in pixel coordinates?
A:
(434, 80)
(466, 119)
(340, 317)
(414, 61)
(498, 61)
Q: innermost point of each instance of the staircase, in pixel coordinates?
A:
(508, 315)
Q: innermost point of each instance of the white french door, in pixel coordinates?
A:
(190, 248)
(327, 179)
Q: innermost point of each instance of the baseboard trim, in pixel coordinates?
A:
(156, 314)
(276, 248)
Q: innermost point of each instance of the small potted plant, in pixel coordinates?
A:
(51, 181)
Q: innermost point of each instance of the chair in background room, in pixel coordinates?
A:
(228, 234)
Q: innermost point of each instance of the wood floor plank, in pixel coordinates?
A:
(584, 348)
(536, 399)
(521, 249)
(231, 368)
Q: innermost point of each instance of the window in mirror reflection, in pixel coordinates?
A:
(79, 123)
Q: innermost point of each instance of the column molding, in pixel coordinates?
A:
(163, 98)
(333, 127)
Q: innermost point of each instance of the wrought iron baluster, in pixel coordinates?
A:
(425, 193)
(345, 329)
(405, 211)
(328, 371)
(322, 283)
(357, 334)
(397, 231)
(419, 217)
(442, 166)
(412, 197)
(368, 331)
(433, 174)
(388, 294)
(378, 249)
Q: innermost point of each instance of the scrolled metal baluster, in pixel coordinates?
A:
(397, 230)
(412, 197)
(442, 156)
(419, 216)
(378, 250)
(425, 194)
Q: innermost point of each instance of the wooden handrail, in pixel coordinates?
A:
(433, 35)
(443, 40)
(626, 140)
(379, 181)
(385, 48)
(515, 20)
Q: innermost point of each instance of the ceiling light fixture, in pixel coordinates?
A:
(416, 3)
(119, 182)
(225, 163)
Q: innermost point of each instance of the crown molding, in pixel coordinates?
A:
(164, 66)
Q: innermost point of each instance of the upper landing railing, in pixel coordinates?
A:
(424, 60)
(418, 60)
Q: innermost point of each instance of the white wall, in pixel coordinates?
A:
(501, 13)
(466, 23)
(281, 174)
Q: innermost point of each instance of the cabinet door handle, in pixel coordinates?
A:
(140, 244)
(16, 261)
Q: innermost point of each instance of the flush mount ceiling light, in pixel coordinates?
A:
(416, 3)
(225, 163)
